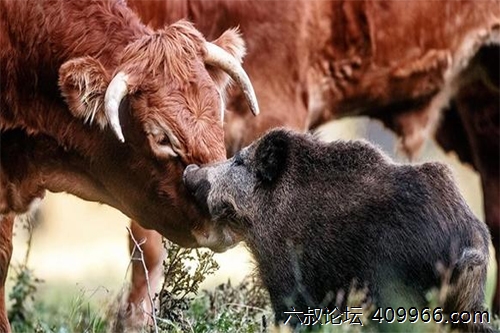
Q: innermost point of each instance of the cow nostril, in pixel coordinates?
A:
(189, 168)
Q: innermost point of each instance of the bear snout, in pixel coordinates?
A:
(190, 168)
(194, 179)
(189, 177)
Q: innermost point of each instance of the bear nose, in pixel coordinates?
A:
(190, 168)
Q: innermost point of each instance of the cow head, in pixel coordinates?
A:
(161, 106)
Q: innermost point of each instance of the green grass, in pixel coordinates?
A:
(182, 307)
(222, 310)
(75, 314)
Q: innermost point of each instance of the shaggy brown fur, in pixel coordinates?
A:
(57, 59)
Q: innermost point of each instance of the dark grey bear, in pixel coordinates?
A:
(320, 218)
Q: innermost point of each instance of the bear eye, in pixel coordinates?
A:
(238, 160)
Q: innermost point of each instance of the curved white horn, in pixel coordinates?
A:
(218, 57)
(115, 92)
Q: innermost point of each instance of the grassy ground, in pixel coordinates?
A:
(226, 308)
(182, 306)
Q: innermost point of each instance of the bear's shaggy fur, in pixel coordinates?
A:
(320, 218)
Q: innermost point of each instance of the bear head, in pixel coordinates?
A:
(227, 190)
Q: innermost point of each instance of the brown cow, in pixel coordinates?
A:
(137, 105)
(424, 68)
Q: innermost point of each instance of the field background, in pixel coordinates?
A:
(80, 248)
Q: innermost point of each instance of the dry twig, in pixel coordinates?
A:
(137, 246)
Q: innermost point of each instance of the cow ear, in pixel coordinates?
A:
(83, 82)
(232, 42)
(271, 155)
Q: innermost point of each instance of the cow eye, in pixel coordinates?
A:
(162, 145)
(164, 141)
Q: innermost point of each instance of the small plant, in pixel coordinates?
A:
(241, 308)
(22, 294)
(185, 270)
(22, 297)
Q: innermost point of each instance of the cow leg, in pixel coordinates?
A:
(485, 158)
(478, 107)
(6, 226)
(154, 253)
(491, 192)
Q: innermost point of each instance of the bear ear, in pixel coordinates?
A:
(271, 155)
